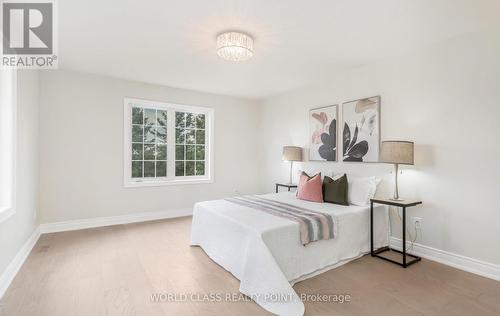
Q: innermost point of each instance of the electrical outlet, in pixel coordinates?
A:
(417, 222)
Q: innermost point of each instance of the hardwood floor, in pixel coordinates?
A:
(115, 270)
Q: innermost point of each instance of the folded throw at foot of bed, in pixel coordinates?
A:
(313, 225)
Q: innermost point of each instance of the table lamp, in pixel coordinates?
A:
(292, 153)
(397, 153)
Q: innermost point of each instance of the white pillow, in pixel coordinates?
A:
(361, 190)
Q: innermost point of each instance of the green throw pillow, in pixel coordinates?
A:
(335, 191)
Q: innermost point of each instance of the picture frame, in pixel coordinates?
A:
(361, 130)
(323, 133)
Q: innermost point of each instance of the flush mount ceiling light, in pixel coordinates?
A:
(235, 46)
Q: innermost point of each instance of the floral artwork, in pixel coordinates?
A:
(323, 133)
(361, 131)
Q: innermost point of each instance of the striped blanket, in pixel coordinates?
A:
(313, 225)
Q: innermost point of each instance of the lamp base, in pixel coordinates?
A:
(398, 199)
(395, 197)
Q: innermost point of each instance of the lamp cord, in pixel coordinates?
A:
(412, 239)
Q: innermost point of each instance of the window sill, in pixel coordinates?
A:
(139, 184)
(6, 213)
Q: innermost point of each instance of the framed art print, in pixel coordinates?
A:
(323, 133)
(361, 130)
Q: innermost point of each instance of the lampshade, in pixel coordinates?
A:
(397, 152)
(292, 153)
(235, 46)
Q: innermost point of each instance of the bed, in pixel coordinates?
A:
(265, 253)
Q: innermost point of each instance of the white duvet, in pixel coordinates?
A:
(265, 253)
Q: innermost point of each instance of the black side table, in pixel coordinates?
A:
(375, 253)
(285, 185)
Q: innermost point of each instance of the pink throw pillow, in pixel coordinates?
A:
(310, 188)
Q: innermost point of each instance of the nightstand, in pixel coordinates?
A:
(376, 253)
(285, 185)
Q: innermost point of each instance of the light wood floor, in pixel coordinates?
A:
(115, 270)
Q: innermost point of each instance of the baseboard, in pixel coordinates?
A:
(475, 266)
(10, 272)
(112, 220)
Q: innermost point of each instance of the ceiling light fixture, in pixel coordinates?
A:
(235, 46)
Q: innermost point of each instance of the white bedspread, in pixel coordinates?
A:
(265, 253)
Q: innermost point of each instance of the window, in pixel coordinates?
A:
(189, 144)
(7, 142)
(166, 143)
(149, 143)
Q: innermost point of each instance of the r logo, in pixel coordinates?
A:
(27, 28)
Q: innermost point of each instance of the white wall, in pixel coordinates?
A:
(447, 100)
(16, 230)
(81, 141)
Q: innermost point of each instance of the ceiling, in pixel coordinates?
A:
(297, 42)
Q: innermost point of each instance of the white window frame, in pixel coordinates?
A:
(8, 139)
(171, 178)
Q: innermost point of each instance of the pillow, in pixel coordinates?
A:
(361, 190)
(335, 191)
(310, 188)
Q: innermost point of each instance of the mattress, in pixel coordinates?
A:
(265, 253)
